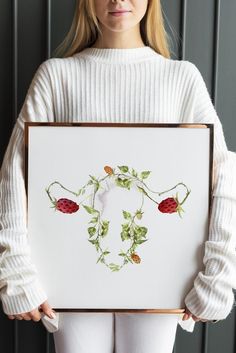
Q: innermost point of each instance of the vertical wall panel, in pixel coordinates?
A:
(226, 100)
(183, 28)
(61, 18)
(49, 28)
(200, 31)
(215, 65)
(6, 334)
(199, 36)
(172, 15)
(31, 42)
(190, 342)
(31, 337)
(221, 338)
(6, 120)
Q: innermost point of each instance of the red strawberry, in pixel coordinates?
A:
(170, 205)
(66, 206)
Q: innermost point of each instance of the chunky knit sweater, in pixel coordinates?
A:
(119, 85)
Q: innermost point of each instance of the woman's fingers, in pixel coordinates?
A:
(11, 317)
(188, 314)
(26, 316)
(35, 314)
(48, 310)
(19, 317)
(23, 316)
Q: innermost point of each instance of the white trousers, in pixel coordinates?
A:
(116, 333)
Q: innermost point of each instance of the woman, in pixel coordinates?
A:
(117, 68)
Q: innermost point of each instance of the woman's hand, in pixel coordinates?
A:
(188, 314)
(35, 313)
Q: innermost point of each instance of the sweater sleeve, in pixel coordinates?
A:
(212, 296)
(20, 288)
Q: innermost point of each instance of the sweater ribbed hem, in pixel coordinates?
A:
(30, 297)
(119, 55)
(209, 311)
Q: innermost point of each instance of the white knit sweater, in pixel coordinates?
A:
(119, 85)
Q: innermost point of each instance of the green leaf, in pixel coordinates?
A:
(126, 214)
(140, 241)
(141, 190)
(94, 220)
(105, 226)
(121, 254)
(137, 230)
(104, 232)
(140, 231)
(133, 247)
(93, 241)
(143, 231)
(127, 183)
(134, 173)
(106, 252)
(114, 267)
(97, 186)
(105, 223)
(139, 214)
(123, 168)
(125, 226)
(93, 178)
(119, 182)
(92, 231)
(145, 174)
(125, 235)
(90, 209)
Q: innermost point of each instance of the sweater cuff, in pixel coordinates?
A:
(206, 308)
(28, 297)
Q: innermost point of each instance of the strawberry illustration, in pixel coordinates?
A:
(170, 205)
(65, 205)
(135, 258)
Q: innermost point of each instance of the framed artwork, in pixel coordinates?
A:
(118, 213)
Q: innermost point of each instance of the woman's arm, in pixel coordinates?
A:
(20, 289)
(212, 295)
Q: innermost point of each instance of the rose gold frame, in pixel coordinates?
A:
(138, 125)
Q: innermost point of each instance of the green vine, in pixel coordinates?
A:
(131, 231)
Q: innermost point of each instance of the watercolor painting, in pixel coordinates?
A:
(115, 210)
(131, 231)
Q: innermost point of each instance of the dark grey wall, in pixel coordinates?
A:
(201, 31)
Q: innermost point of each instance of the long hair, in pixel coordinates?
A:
(85, 29)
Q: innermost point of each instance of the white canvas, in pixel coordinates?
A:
(171, 256)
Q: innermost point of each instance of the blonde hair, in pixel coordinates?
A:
(85, 28)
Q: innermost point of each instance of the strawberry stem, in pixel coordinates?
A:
(188, 192)
(47, 191)
(174, 188)
(57, 182)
